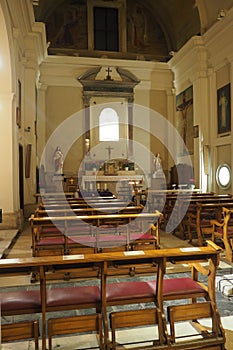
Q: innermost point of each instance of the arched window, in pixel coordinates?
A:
(108, 125)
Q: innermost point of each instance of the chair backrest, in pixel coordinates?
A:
(190, 312)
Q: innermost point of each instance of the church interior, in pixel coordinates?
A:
(115, 116)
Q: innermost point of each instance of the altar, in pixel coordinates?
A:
(117, 184)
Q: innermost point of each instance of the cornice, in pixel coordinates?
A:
(191, 62)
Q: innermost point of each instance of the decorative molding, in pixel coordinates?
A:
(123, 86)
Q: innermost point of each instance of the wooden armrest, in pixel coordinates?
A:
(203, 270)
(216, 222)
(213, 245)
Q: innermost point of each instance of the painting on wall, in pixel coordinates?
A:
(224, 109)
(144, 33)
(184, 119)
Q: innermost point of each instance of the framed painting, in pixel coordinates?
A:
(184, 119)
(224, 109)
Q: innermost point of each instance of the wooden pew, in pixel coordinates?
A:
(82, 204)
(88, 211)
(147, 240)
(223, 229)
(44, 300)
(171, 201)
(200, 219)
(186, 206)
(57, 196)
(168, 201)
(172, 289)
(67, 227)
(47, 239)
(67, 298)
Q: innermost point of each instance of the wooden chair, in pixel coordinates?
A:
(190, 312)
(223, 230)
(187, 214)
(76, 324)
(21, 331)
(138, 318)
(199, 220)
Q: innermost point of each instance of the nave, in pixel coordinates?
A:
(21, 247)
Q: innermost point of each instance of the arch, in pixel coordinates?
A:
(5, 57)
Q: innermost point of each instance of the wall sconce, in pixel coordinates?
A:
(28, 129)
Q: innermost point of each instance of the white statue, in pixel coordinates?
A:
(158, 162)
(158, 170)
(58, 161)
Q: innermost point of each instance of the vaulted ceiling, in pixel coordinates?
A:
(178, 21)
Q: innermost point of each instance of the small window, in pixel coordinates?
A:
(106, 29)
(223, 176)
(108, 125)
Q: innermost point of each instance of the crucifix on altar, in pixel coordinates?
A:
(109, 149)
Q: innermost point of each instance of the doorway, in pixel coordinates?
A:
(21, 178)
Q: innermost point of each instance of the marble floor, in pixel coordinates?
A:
(14, 245)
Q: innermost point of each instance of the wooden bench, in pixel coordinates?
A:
(174, 203)
(167, 199)
(60, 196)
(222, 229)
(89, 211)
(136, 292)
(63, 234)
(81, 203)
(43, 300)
(106, 294)
(199, 221)
(185, 207)
(45, 246)
(180, 198)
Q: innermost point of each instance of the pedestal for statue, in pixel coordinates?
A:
(58, 182)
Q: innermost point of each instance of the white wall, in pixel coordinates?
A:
(206, 63)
